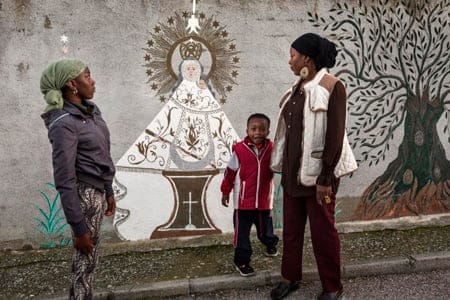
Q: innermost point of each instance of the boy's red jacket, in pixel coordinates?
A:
(251, 177)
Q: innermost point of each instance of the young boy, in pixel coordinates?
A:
(248, 174)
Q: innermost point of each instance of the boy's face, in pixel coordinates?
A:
(258, 130)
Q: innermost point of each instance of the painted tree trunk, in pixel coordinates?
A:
(418, 180)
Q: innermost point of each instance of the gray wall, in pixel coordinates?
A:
(110, 36)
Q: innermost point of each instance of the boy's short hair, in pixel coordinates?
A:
(258, 116)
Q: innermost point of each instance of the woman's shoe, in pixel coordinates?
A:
(283, 289)
(330, 295)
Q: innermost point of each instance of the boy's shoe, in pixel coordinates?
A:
(283, 289)
(245, 270)
(271, 251)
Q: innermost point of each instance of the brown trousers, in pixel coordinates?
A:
(324, 236)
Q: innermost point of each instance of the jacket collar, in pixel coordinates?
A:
(249, 142)
(315, 81)
(309, 85)
(74, 110)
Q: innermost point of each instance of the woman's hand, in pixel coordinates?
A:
(111, 205)
(84, 243)
(323, 192)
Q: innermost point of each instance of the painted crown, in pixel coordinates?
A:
(191, 50)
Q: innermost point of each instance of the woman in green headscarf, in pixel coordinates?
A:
(55, 78)
(82, 166)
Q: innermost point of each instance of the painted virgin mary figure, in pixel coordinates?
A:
(191, 132)
(185, 146)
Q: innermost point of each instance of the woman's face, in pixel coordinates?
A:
(297, 61)
(191, 71)
(85, 85)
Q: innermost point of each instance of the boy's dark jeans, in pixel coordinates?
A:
(243, 221)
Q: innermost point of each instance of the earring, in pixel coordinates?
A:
(304, 72)
(75, 91)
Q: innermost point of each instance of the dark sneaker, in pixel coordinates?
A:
(283, 289)
(331, 295)
(271, 251)
(245, 270)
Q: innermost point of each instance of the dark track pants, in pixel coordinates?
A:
(324, 236)
(243, 221)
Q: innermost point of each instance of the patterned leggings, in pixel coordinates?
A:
(83, 266)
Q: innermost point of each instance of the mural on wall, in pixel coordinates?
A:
(191, 65)
(395, 61)
(51, 223)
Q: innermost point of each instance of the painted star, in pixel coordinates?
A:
(234, 73)
(232, 47)
(157, 29)
(202, 15)
(223, 100)
(64, 39)
(224, 33)
(170, 21)
(147, 57)
(150, 43)
(215, 24)
(154, 86)
(162, 98)
(235, 59)
(185, 14)
(229, 88)
(149, 72)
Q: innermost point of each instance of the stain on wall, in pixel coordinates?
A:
(47, 23)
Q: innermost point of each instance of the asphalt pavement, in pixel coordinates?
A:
(433, 285)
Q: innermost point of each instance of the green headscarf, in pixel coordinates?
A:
(55, 77)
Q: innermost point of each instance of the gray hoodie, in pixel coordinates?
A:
(80, 153)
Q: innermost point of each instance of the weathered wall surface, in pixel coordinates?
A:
(111, 37)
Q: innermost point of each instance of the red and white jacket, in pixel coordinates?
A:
(249, 175)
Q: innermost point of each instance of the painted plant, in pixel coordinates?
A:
(395, 61)
(51, 223)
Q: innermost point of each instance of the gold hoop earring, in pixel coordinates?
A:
(304, 72)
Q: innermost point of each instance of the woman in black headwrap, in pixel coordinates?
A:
(311, 151)
(82, 166)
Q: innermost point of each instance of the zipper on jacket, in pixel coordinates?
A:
(258, 174)
(259, 159)
(257, 182)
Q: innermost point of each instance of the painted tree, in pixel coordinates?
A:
(395, 61)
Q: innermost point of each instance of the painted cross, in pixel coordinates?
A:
(190, 202)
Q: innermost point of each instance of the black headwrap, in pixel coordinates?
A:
(321, 50)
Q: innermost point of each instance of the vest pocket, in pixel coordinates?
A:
(314, 163)
(319, 131)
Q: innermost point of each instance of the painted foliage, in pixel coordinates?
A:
(50, 222)
(395, 61)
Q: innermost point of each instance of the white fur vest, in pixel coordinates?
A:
(317, 94)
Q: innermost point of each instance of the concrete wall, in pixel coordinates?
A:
(111, 36)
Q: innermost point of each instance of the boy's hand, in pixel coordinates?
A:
(225, 200)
